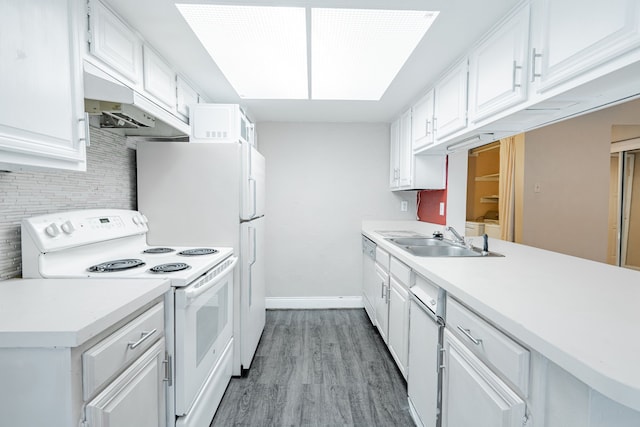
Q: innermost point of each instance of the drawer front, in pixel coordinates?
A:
(505, 355)
(382, 258)
(114, 353)
(400, 271)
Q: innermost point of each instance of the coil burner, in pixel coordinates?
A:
(116, 265)
(170, 267)
(198, 252)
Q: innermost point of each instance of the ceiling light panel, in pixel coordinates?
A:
(262, 51)
(356, 53)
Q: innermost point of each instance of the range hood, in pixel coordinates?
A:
(113, 105)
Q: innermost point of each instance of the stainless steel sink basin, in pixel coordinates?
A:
(435, 247)
(442, 251)
(418, 241)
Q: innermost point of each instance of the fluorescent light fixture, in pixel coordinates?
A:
(262, 51)
(356, 53)
(468, 142)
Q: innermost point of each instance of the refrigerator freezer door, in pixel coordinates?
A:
(253, 185)
(252, 288)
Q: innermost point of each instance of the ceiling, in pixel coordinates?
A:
(460, 24)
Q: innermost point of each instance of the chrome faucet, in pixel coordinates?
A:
(459, 239)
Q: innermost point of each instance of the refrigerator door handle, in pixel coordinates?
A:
(252, 242)
(252, 189)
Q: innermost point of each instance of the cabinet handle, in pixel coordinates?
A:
(441, 365)
(145, 336)
(534, 56)
(467, 333)
(84, 122)
(382, 290)
(168, 374)
(516, 67)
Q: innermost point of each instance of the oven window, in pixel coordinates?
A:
(211, 319)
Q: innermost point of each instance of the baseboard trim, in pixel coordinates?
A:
(314, 302)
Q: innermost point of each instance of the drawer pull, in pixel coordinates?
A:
(143, 338)
(467, 333)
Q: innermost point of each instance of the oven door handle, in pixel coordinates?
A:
(193, 292)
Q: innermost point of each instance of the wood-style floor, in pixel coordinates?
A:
(317, 368)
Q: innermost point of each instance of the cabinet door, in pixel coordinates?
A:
(114, 43)
(422, 381)
(42, 121)
(186, 96)
(159, 79)
(422, 122)
(497, 68)
(394, 155)
(405, 151)
(574, 36)
(136, 398)
(399, 324)
(382, 303)
(450, 113)
(472, 395)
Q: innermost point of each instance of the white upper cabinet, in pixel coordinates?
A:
(186, 96)
(394, 155)
(422, 125)
(498, 68)
(114, 43)
(450, 113)
(573, 37)
(409, 171)
(159, 78)
(405, 151)
(42, 121)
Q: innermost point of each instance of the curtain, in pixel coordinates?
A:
(506, 191)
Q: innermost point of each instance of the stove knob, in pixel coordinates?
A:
(145, 219)
(52, 230)
(68, 227)
(136, 220)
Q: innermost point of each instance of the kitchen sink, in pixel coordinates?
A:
(418, 241)
(437, 247)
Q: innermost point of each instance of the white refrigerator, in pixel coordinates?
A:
(211, 194)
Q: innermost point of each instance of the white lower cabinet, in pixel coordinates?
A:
(382, 303)
(398, 341)
(472, 395)
(136, 398)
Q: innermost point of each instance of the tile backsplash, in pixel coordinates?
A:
(109, 182)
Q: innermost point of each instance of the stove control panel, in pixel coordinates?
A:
(65, 230)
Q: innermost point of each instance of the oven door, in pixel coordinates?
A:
(203, 328)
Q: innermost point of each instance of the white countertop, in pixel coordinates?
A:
(582, 315)
(68, 312)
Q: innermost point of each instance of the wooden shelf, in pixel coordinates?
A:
(489, 199)
(485, 178)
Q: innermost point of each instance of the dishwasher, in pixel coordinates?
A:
(426, 325)
(369, 282)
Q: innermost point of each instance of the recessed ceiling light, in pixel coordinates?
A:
(356, 53)
(262, 51)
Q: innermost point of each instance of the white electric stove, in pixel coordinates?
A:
(111, 243)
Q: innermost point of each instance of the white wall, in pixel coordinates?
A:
(323, 179)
